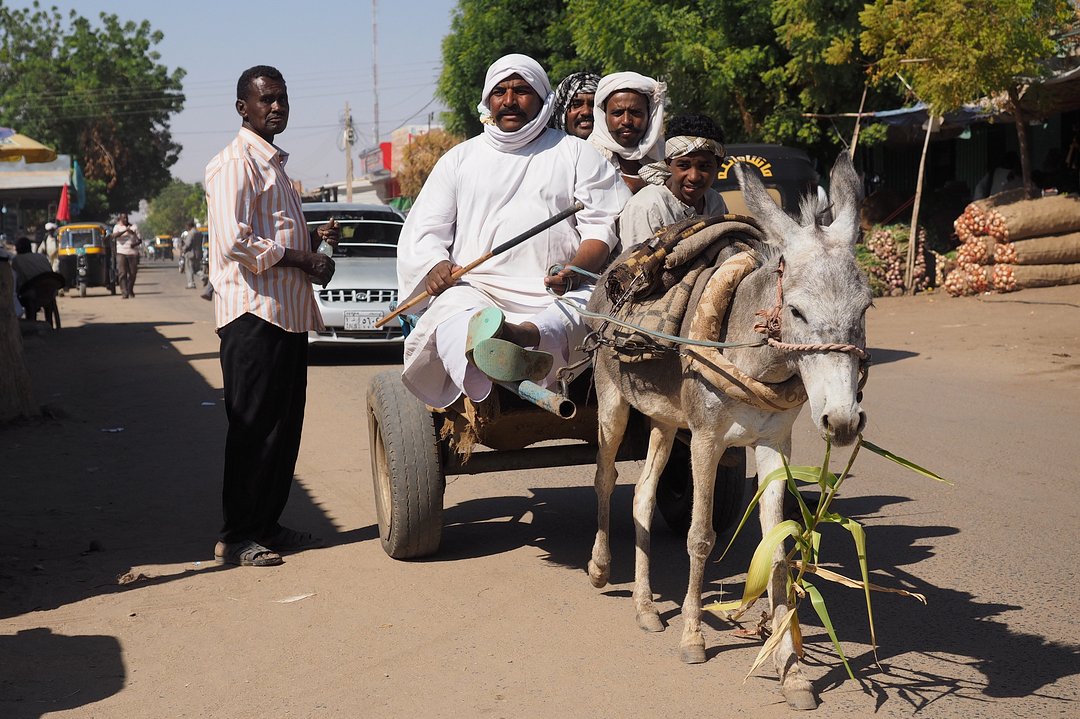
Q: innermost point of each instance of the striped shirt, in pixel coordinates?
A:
(254, 213)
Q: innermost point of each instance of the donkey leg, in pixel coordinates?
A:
(613, 412)
(661, 437)
(705, 451)
(797, 689)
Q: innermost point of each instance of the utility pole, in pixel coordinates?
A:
(348, 154)
(375, 65)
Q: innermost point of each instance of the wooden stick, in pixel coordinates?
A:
(508, 245)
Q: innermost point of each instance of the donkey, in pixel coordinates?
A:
(824, 300)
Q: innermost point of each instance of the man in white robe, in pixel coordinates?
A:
(482, 193)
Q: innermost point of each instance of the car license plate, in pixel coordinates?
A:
(359, 320)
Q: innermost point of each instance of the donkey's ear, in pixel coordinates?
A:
(776, 223)
(845, 191)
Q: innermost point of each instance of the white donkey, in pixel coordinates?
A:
(821, 304)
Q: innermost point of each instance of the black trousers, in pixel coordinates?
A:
(264, 369)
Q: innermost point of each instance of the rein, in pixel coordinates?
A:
(771, 325)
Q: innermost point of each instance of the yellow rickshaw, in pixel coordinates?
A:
(204, 254)
(163, 247)
(87, 256)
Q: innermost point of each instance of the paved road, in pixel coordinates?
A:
(503, 622)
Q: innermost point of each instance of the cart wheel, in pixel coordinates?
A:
(82, 289)
(674, 492)
(405, 469)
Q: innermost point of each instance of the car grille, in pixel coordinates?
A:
(358, 295)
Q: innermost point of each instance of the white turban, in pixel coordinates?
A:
(531, 72)
(651, 147)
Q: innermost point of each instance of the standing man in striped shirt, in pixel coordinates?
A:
(262, 266)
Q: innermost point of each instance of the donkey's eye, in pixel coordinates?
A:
(796, 314)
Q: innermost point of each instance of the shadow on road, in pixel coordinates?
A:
(42, 672)
(129, 478)
(955, 632)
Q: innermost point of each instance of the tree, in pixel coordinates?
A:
(420, 156)
(756, 67)
(94, 91)
(170, 211)
(482, 31)
(958, 51)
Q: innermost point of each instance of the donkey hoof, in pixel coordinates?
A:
(650, 621)
(692, 653)
(598, 576)
(800, 697)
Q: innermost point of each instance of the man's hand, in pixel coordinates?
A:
(563, 281)
(330, 233)
(317, 265)
(591, 256)
(439, 277)
(320, 267)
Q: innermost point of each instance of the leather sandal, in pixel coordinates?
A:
(246, 554)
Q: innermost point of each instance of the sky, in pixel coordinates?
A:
(323, 48)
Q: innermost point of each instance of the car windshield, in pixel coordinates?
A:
(364, 238)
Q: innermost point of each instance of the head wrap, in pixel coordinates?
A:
(571, 86)
(657, 173)
(49, 226)
(530, 71)
(651, 146)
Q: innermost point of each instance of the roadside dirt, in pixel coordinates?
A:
(110, 607)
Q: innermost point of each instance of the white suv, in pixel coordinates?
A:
(364, 287)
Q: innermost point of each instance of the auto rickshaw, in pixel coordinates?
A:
(163, 247)
(204, 254)
(87, 256)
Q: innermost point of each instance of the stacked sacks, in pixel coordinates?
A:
(1011, 244)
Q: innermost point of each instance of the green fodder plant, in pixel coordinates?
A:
(803, 557)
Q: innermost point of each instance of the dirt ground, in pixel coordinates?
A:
(123, 480)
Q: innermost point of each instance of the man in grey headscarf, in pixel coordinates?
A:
(573, 107)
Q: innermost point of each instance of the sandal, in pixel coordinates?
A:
(504, 361)
(291, 540)
(246, 554)
(485, 324)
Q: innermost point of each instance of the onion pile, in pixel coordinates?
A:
(886, 257)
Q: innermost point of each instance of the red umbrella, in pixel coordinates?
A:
(63, 210)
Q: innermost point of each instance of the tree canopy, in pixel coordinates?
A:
(958, 51)
(481, 31)
(96, 91)
(951, 53)
(170, 211)
(754, 66)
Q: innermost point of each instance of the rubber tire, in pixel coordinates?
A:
(82, 289)
(674, 491)
(406, 469)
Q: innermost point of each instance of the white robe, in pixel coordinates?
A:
(478, 197)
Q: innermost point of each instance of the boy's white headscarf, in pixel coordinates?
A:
(531, 72)
(651, 147)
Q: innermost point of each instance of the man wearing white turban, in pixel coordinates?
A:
(630, 133)
(481, 193)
